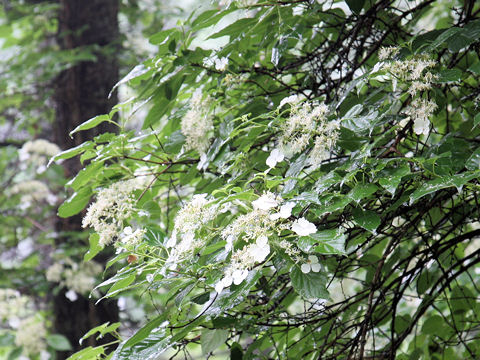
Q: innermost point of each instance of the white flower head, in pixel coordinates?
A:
(71, 295)
(303, 227)
(312, 264)
(421, 126)
(239, 275)
(265, 202)
(221, 64)
(285, 211)
(260, 249)
(275, 157)
(292, 99)
(224, 283)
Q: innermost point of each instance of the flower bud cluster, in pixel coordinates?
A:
(197, 123)
(307, 121)
(114, 205)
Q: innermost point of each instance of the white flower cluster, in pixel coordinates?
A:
(114, 205)
(420, 110)
(307, 120)
(413, 71)
(290, 250)
(197, 123)
(132, 238)
(32, 192)
(11, 303)
(255, 228)
(219, 63)
(31, 334)
(388, 52)
(17, 311)
(243, 260)
(37, 152)
(78, 278)
(192, 217)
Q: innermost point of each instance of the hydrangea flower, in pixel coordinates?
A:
(303, 227)
(265, 202)
(312, 264)
(285, 211)
(275, 157)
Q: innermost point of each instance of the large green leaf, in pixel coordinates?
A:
(212, 339)
(75, 203)
(309, 286)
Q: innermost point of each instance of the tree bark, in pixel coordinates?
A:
(80, 93)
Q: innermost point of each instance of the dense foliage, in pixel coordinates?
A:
(304, 184)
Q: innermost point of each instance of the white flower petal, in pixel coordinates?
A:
(262, 241)
(286, 210)
(305, 268)
(171, 242)
(315, 267)
(303, 227)
(313, 259)
(202, 162)
(219, 287)
(71, 295)
(128, 230)
(227, 281)
(260, 253)
(188, 238)
(275, 157)
(239, 276)
(221, 64)
(275, 216)
(265, 202)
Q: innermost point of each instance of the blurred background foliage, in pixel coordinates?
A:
(399, 281)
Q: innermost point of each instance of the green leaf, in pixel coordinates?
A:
(443, 38)
(145, 330)
(473, 162)
(121, 285)
(94, 249)
(367, 219)
(432, 324)
(175, 142)
(85, 175)
(202, 298)
(309, 286)
(7, 339)
(362, 191)
(402, 322)
(238, 28)
(91, 123)
(135, 73)
(155, 114)
(88, 353)
(212, 339)
(323, 242)
(58, 342)
(236, 351)
(355, 5)
(476, 120)
(442, 183)
(75, 203)
(475, 68)
(449, 75)
(70, 153)
(391, 178)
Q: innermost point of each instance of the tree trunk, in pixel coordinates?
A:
(81, 92)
